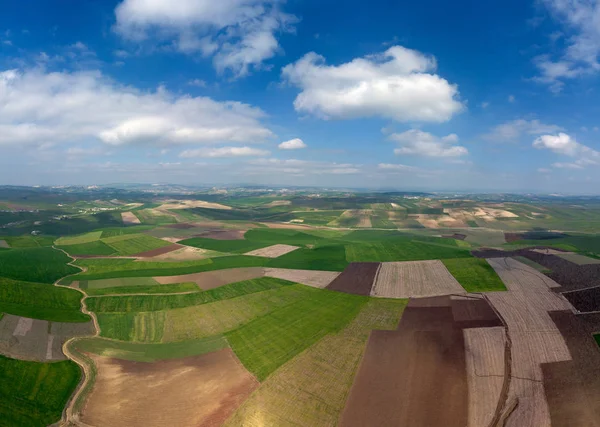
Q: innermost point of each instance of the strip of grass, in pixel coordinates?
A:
(34, 394)
(40, 301)
(312, 388)
(115, 268)
(115, 283)
(137, 327)
(154, 289)
(145, 303)
(134, 243)
(402, 250)
(41, 265)
(231, 246)
(266, 343)
(91, 248)
(140, 352)
(474, 274)
(532, 264)
(120, 231)
(78, 240)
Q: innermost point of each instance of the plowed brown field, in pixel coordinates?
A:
(214, 279)
(357, 278)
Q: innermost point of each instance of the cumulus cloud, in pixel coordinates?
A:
(513, 130)
(224, 152)
(580, 57)
(239, 34)
(301, 167)
(39, 107)
(417, 142)
(292, 144)
(399, 84)
(566, 145)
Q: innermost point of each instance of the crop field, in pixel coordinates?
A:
(116, 283)
(230, 246)
(140, 352)
(33, 393)
(28, 241)
(40, 301)
(136, 327)
(145, 303)
(327, 258)
(401, 251)
(311, 389)
(176, 288)
(414, 279)
(274, 251)
(42, 265)
(269, 341)
(214, 279)
(314, 278)
(78, 240)
(154, 217)
(532, 264)
(97, 247)
(129, 218)
(474, 274)
(579, 259)
(131, 244)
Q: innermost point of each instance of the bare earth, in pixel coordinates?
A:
(415, 279)
(223, 234)
(187, 204)
(160, 251)
(535, 337)
(193, 391)
(273, 251)
(130, 218)
(314, 278)
(214, 279)
(186, 253)
(3, 244)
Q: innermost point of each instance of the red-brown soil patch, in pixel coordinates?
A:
(193, 391)
(214, 279)
(585, 300)
(159, 251)
(223, 234)
(474, 313)
(512, 237)
(415, 376)
(357, 278)
(573, 387)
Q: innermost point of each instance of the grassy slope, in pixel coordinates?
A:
(40, 301)
(140, 303)
(312, 388)
(41, 265)
(268, 342)
(97, 247)
(140, 352)
(34, 394)
(474, 274)
(80, 239)
(131, 244)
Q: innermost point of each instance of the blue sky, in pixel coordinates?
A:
(435, 95)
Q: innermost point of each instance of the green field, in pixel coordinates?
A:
(154, 217)
(97, 247)
(121, 231)
(40, 301)
(34, 394)
(28, 241)
(329, 258)
(402, 250)
(140, 352)
(42, 265)
(145, 303)
(268, 342)
(597, 338)
(152, 289)
(78, 240)
(116, 283)
(137, 327)
(131, 244)
(474, 274)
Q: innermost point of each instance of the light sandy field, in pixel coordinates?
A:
(214, 279)
(534, 336)
(193, 391)
(414, 279)
(187, 204)
(484, 350)
(365, 218)
(550, 251)
(314, 278)
(438, 221)
(130, 218)
(278, 203)
(273, 251)
(3, 244)
(185, 254)
(579, 259)
(395, 205)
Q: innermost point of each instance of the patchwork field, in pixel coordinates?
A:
(129, 218)
(414, 279)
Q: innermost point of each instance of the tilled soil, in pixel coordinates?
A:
(214, 279)
(193, 391)
(223, 234)
(585, 300)
(159, 251)
(573, 387)
(357, 278)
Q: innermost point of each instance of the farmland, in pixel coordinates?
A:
(298, 309)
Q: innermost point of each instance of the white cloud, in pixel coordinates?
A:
(38, 107)
(224, 152)
(197, 83)
(513, 130)
(484, 105)
(511, 98)
(416, 142)
(396, 167)
(398, 84)
(564, 144)
(300, 167)
(239, 33)
(292, 144)
(581, 18)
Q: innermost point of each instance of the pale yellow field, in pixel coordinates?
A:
(130, 218)
(273, 251)
(314, 278)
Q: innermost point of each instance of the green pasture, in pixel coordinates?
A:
(474, 274)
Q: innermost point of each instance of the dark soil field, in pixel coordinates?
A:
(585, 300)
(159, 251)
(573, 387)
(416, 375)
(357, 278)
